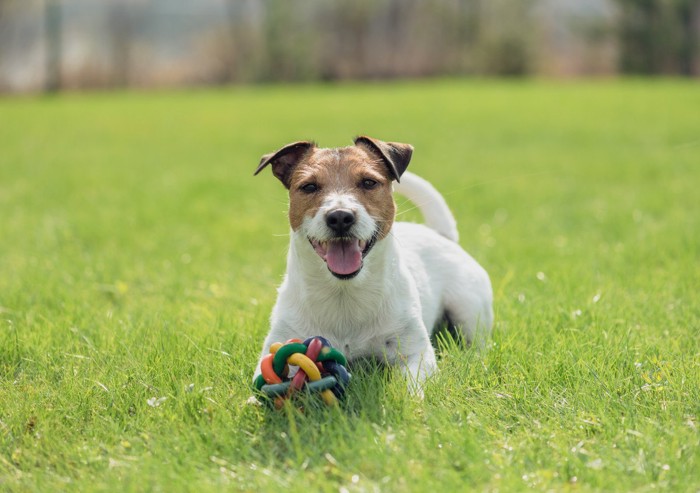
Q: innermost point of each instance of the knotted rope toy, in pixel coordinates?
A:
(321, 369)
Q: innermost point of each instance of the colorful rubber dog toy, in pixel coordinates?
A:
(321, 369)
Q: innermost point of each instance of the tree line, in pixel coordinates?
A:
(279, 40)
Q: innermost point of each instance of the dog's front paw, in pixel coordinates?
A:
(417, 369)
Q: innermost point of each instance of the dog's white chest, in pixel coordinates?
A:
(360, 327)
(371, 342)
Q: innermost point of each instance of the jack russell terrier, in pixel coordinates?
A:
(372, 287)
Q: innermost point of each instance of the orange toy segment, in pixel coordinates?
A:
(267, 372)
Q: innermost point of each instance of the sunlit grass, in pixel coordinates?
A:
(139, 259)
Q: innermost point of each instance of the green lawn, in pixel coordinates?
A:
(139, 259)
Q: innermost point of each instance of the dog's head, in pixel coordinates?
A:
(340, 199)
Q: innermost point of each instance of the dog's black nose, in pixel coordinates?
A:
(340, 220)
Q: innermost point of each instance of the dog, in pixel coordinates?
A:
(372, 286)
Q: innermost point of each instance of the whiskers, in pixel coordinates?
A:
(380, 226)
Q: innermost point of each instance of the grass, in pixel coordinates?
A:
(139, 259)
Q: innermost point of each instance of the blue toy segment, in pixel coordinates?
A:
(326, 342)
(340, 373)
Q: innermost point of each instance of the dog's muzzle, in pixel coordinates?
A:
(344, 255)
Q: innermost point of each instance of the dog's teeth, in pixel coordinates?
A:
(363, 244)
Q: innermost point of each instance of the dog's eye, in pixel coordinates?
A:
(368, 184)
(309, 188)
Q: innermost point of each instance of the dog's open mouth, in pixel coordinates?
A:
(343, 256)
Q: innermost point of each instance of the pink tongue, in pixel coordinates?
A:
(344, 257)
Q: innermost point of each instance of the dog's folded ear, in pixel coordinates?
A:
(395, 155)
(285, 160)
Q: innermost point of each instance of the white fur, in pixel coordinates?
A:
(409, 281)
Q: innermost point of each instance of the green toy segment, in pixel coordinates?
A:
(325, 383)
(259, 382)
(285, 352)
(329, 353)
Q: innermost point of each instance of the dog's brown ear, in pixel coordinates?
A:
(395, 155)
(284, 160)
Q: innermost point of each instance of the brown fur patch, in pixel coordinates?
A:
(342, 170)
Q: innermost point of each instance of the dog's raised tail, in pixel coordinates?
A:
(436, 213)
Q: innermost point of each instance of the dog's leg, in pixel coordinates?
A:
(417, 368)
(468, 301)
(417, 360)
(473, 318)
(279, 332)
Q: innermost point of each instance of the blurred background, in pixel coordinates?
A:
(50, 45)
